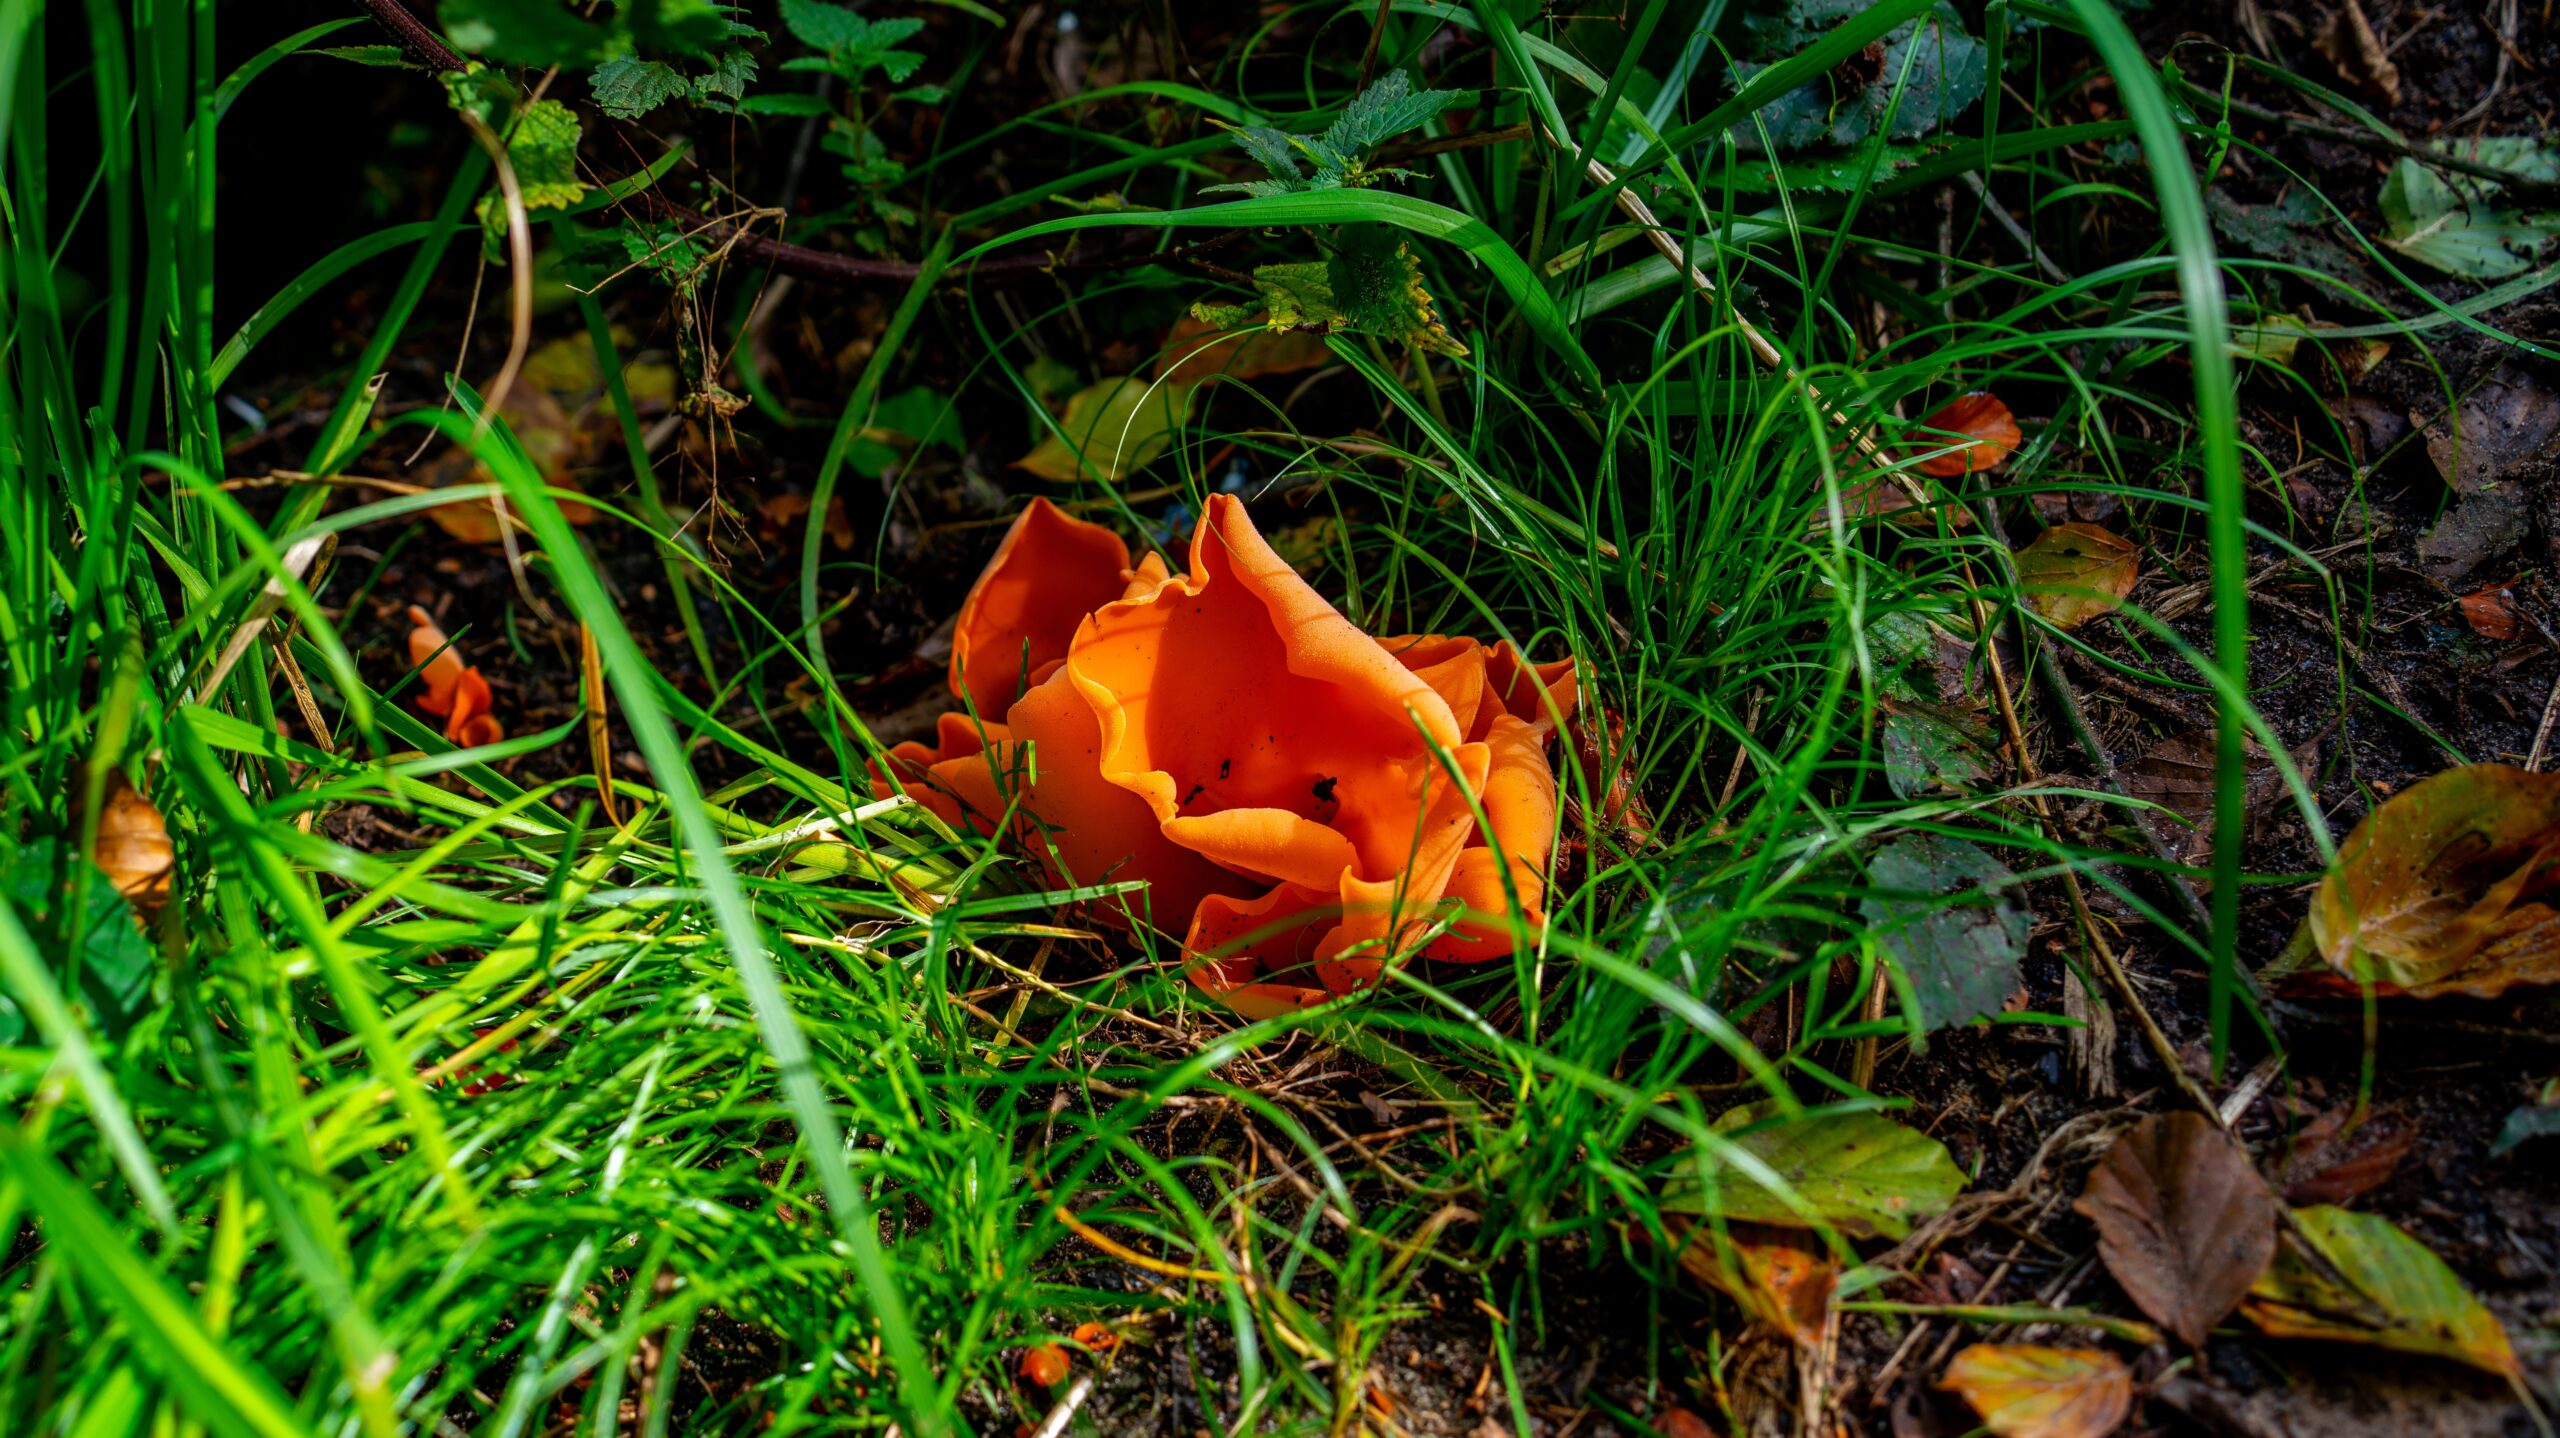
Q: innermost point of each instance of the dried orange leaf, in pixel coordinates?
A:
(1780, 1277)
(2023, 1390)
(2492, 613)
(2073, 573)
(1681, 1423)
(1989, 432)
(2438, 890)
(2184, 1221)
(2372, 1283)
(133, 847)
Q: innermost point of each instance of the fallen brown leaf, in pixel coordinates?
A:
(1781, 1277)
(2184, 1221)
(2073, 573)
(2023, 1390)
(2439, 890)
(1197, 350)
(2345, 39)
(2329, 1163)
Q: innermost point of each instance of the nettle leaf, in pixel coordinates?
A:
(542, 149)
(666, 252)
(477, 91)
(729, 77)
(116, 962)
(1385, 110)
(1959, 953)
(854, 46)
(1271, 148)
(627, 89)
(1924, 74)
(2454, 222)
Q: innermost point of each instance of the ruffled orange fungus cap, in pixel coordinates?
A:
(1302, 795)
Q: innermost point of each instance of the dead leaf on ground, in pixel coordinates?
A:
(2492, 613)
(542, 428)
(2506, 421)
(2329, 1162)
(2374, 1284)
(782, 513)
(2024, 1390)
(2177, 773)
(133, 846)
(1781, 1277)
(1112, 427)
(2440, 890)
(2346, 40)
(2184, 1221)
(1988, 433)
(2073, 573)
(1197, 350)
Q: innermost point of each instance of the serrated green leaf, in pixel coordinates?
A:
(729, 78)
(542, 149)
(1385, 110)
(854, 45)
(1860, 1172)
(1930, 751)
(477, 91)
(627, 89)
(1959, 953)
(1271, 148)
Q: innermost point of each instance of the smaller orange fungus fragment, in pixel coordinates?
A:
(450, 689)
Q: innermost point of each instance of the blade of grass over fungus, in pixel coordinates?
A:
(741, 932)
(2190, 238)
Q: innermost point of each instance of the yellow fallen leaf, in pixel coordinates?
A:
(1111, 429)
(2023, 1390)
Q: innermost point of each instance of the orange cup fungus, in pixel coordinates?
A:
(448, 688)
(1306, 794)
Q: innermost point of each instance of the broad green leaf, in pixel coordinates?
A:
(116, 963)
(2380, 1287)
(1860, 1172)
(1385, 110)
(1111, 429)
(1947, 916)
(1519, 283)
(1929, 750)
(2453, 223)
(1928, 73)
